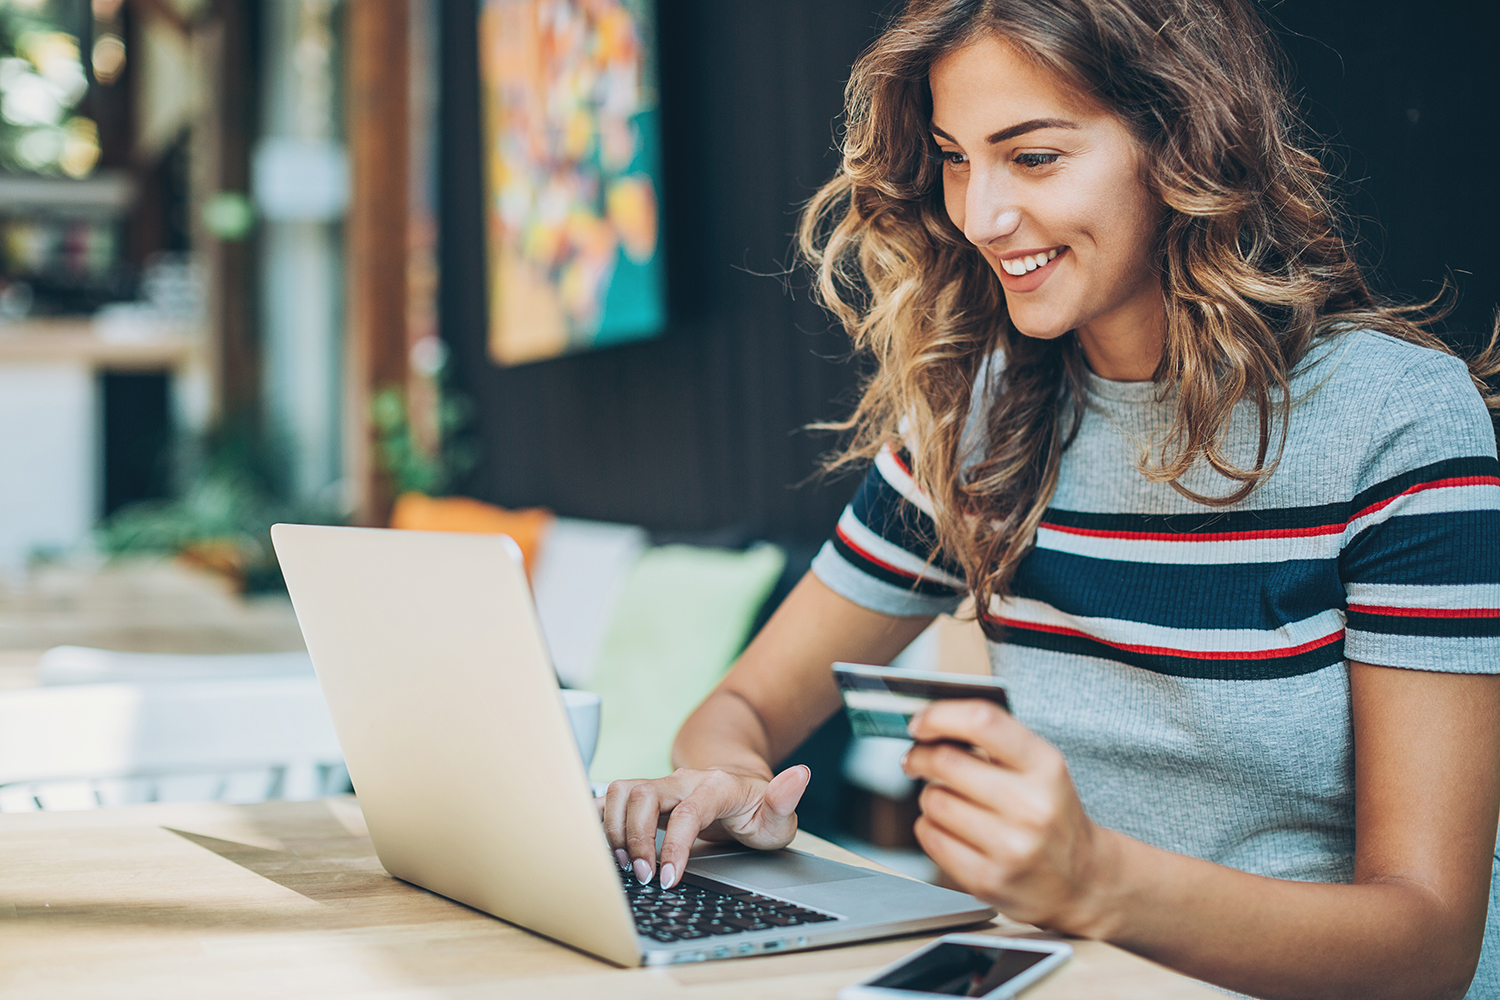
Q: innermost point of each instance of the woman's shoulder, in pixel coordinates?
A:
(1373, 377)
(1382, 406)
(1371, 359)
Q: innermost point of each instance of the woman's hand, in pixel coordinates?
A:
(748, 808)
(1011, 829)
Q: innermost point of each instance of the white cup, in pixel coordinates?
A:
(583, 716)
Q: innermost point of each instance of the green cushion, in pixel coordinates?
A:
(681, 619)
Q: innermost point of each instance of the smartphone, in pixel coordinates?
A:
(964, 965)
(880, 701)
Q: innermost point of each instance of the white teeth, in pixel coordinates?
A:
(1021, 265)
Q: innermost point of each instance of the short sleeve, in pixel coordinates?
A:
(1421, 557)
(883, 554)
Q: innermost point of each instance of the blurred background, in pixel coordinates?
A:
(296, 259)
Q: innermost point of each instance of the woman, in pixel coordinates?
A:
(1230, 520)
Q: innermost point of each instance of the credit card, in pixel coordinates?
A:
(880, 701)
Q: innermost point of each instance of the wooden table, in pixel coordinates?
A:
(288, 900)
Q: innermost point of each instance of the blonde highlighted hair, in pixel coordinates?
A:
(1253, 265)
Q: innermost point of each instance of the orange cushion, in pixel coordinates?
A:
(419, 512)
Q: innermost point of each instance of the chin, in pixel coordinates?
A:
(1042, 330)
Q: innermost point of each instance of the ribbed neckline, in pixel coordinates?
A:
(1321, 350)
(1122, 392)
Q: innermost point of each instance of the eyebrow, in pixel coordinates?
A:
(1021, 128)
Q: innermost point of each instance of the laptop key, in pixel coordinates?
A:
(745, 924)
(721, 928)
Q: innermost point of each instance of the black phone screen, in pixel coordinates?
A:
(960, 970)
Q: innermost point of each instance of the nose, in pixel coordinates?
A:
(990, 212)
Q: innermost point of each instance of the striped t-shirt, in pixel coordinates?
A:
(1192, 662)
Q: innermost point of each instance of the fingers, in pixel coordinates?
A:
(631, 813)
(755, 812)
(613, 814)
(643, 808)
(687, 821)
(981, 724)
(950, 765)
(1004, 842)
(968, 868)
(760, 815)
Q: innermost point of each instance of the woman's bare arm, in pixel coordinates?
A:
(1427, 792)
(777, 693)
(781, 690)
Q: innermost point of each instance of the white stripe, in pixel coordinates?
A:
(1439, 500)
(895, 555)
(1405, 595)
(1206, 640)
(1190, 553)
(901, 482)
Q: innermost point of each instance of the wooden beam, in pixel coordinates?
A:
(378, 107)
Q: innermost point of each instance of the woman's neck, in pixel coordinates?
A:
(1126, 345)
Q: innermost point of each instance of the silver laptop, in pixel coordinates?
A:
(428, 651)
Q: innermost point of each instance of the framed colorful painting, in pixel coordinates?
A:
(572, 175)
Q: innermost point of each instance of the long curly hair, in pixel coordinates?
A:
(1254, 266)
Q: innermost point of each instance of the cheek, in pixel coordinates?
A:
(953, 199)
(1134, 215)
(1122, 221)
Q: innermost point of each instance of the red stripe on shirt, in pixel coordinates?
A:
(895, 457)
(1372, 609)
(1191, 654)
(1436, 484)
(863, 554)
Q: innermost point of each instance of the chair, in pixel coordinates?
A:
(233, 740)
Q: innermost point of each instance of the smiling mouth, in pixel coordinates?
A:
(1030, 262)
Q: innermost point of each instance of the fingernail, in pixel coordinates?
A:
(911, 724)
(642, 871)
(623, 860)
(668, 876)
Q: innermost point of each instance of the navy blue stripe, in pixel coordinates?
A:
(1447, 548)
(913, 584)
(1235, 596)
(881, 508)
(1220, 522)
(1182, 666)
(1452, 468)
(1447, 628)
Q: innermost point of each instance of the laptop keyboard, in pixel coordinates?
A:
(691, 910)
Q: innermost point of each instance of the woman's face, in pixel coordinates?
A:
(1048, 187)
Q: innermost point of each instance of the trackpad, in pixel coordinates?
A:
(777, 869)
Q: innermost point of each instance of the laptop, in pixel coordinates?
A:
(428, 652)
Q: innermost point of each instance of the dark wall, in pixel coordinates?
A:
(699, 430)
(1407, 98)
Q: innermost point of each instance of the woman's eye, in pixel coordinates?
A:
(949, 158)
(1036, 159)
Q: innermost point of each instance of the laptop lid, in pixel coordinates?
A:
(445, 704)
